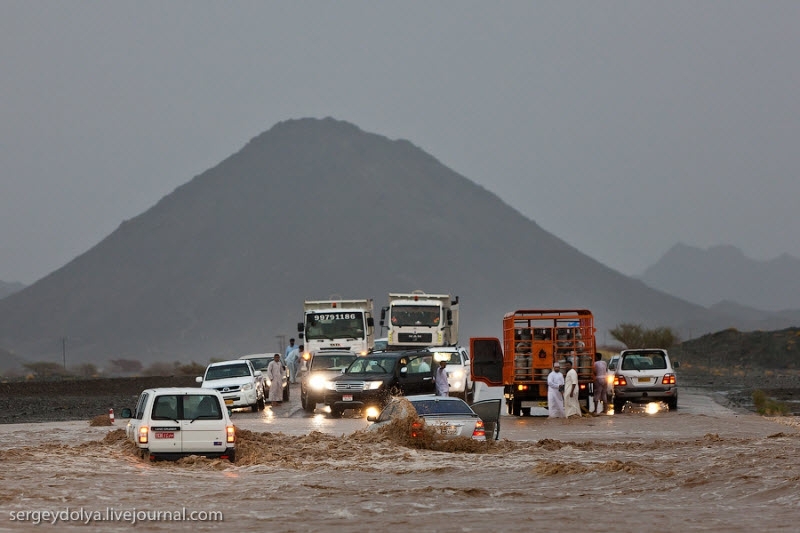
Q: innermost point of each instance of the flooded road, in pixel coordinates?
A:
(702, 468)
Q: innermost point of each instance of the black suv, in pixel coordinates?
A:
(373, 379)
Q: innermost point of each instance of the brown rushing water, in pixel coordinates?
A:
(702, 468)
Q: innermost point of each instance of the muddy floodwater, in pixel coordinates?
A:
(701, 468)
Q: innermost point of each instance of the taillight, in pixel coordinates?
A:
(479, 432)
(143, 434)
(620, 381)
(230, 433)
(522, 387)
(582, 386)
(668, 379)
(416, 429)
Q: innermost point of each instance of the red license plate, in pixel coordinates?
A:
(347, 397)
(165, 435)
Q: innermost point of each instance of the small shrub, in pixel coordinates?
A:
(767, 406)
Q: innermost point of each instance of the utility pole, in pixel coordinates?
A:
(281, 343)
(64, 351)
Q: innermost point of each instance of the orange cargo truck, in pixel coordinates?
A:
(532, 340)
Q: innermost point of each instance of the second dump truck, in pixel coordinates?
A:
(420, 320)
(533, 339)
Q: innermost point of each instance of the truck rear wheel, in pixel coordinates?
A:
(516, 407)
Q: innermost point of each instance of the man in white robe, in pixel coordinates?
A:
(571, 390)
(293, 363)
(555, 396)
(275, 374)
(440, 378)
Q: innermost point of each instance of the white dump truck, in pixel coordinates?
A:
(338, 324)
(420, 320)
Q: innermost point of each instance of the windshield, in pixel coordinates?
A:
(227, 371)
(644, 361)
(331, 362)
(260, 363)
(441, 407)
(415, 315)
(451, 358)
(335, 325)
(372, 365)
(186, 407)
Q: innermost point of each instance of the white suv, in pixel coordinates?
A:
(458, 370)
(169, 423)
(645, 375)
(240, 384)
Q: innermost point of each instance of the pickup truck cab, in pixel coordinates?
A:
(372, 380)
(171, 422)
(240, 384)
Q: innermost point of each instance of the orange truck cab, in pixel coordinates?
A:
(533, 339)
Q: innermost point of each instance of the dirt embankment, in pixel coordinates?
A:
(43, 401)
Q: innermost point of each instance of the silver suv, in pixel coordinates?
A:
(645, 375)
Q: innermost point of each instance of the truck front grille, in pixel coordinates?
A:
(350, 386)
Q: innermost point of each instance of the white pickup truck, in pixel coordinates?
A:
(240, 384)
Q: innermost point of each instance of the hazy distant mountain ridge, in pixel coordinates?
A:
(723, 273)
(220, 266)
(7, 288)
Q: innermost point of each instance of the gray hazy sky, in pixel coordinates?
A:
(621, 127)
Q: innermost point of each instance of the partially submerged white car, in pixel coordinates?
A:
(171, 422)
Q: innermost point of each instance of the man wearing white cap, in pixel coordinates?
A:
(572, 406)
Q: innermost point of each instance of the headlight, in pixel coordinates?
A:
(269, 382)
(316, 382)
(458, 374)
(247, 386)
(372, 385)
(330, 385)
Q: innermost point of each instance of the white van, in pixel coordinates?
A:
(169, 423)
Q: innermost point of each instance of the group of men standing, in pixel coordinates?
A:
(563, 389)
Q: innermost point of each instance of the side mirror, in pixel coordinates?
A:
(372, 418)
(199, 379)
(126, 413)
(299, 327)
(370, 322)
